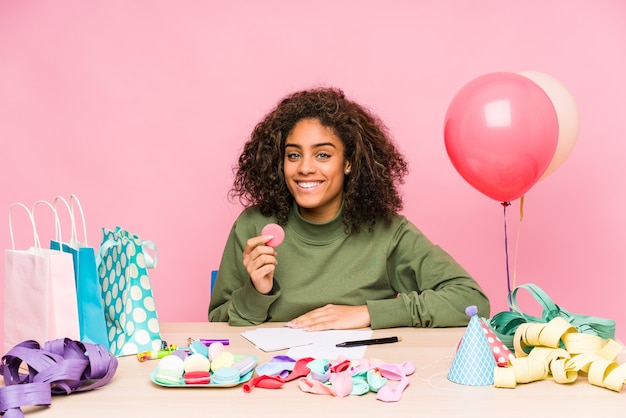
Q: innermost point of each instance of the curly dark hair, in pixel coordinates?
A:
(377, 167)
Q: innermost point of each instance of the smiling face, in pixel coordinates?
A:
(314, 169)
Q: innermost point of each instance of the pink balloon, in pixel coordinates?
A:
(501, 132)
(567, 115)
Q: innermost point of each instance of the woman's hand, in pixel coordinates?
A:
(260, 262)
(333, 317)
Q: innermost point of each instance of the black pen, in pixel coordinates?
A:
(357, 343)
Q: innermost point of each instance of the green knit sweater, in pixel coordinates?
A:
(403, 278)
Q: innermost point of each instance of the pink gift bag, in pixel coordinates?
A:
(39, 290)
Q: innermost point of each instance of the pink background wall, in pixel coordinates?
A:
(141, 108)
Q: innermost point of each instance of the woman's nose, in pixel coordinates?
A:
(307, 166)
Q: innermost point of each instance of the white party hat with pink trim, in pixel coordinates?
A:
(474, 362)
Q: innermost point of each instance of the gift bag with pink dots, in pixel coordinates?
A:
(129, 308)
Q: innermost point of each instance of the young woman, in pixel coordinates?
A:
(326, 169)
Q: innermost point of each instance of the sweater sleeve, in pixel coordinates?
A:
(433, 289)
(234, 299)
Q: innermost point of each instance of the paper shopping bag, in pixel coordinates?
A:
(130, 311)
(93, 328)
(39, 292)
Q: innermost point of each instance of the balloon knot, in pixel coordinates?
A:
(505, 204)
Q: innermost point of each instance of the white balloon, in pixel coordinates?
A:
(567, 115)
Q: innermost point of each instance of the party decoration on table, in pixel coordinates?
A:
(61, 366)
(280, 365)
(195, 369)
(474, 361)
(197, 377)
(558, 350)
(361, 377)
(132, 322)
(339, 378)
(214, 350)
(501, 353)
(155, 355)
(278, 371)
(504, 324)
(170, 370)
(195, 362)
(222, 360)
(264, 381)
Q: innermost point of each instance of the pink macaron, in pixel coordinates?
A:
(215, 349)
(276, 232)
(197, 378)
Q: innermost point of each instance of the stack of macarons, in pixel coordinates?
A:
(203, 365)
(170, 370)
(197, 369)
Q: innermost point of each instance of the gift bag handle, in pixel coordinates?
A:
(69, 210)
(149, 257)
(74, 242)
(57, 222)
(37, 243)
(75, 202)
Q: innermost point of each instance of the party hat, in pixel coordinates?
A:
(474, 363)
(501, 353)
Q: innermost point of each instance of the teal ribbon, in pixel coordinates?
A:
(504, 324)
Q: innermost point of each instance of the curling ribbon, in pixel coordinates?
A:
(558, 349)
(33, 373)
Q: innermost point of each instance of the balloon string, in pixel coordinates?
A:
(506, 253)
(521, 217)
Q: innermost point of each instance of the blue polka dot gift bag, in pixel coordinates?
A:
(129, 309)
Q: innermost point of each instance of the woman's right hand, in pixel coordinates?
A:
(260, 262)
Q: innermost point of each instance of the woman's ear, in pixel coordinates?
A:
(347, 168)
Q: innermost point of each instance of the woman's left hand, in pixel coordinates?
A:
(332, 317)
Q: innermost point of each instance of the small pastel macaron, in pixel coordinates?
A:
(215, 349)
(169, 370)
(276, 232)
(245, 364)
(197, 363)
(197, 347)
(223, 359)
(225, 376)
(179, 353)
(197, 378)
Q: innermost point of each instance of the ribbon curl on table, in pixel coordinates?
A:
(559, 349)
(61, 366)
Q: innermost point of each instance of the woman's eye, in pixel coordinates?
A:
(293, 155)
(323, 156)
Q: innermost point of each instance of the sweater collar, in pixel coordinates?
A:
(318, 232)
